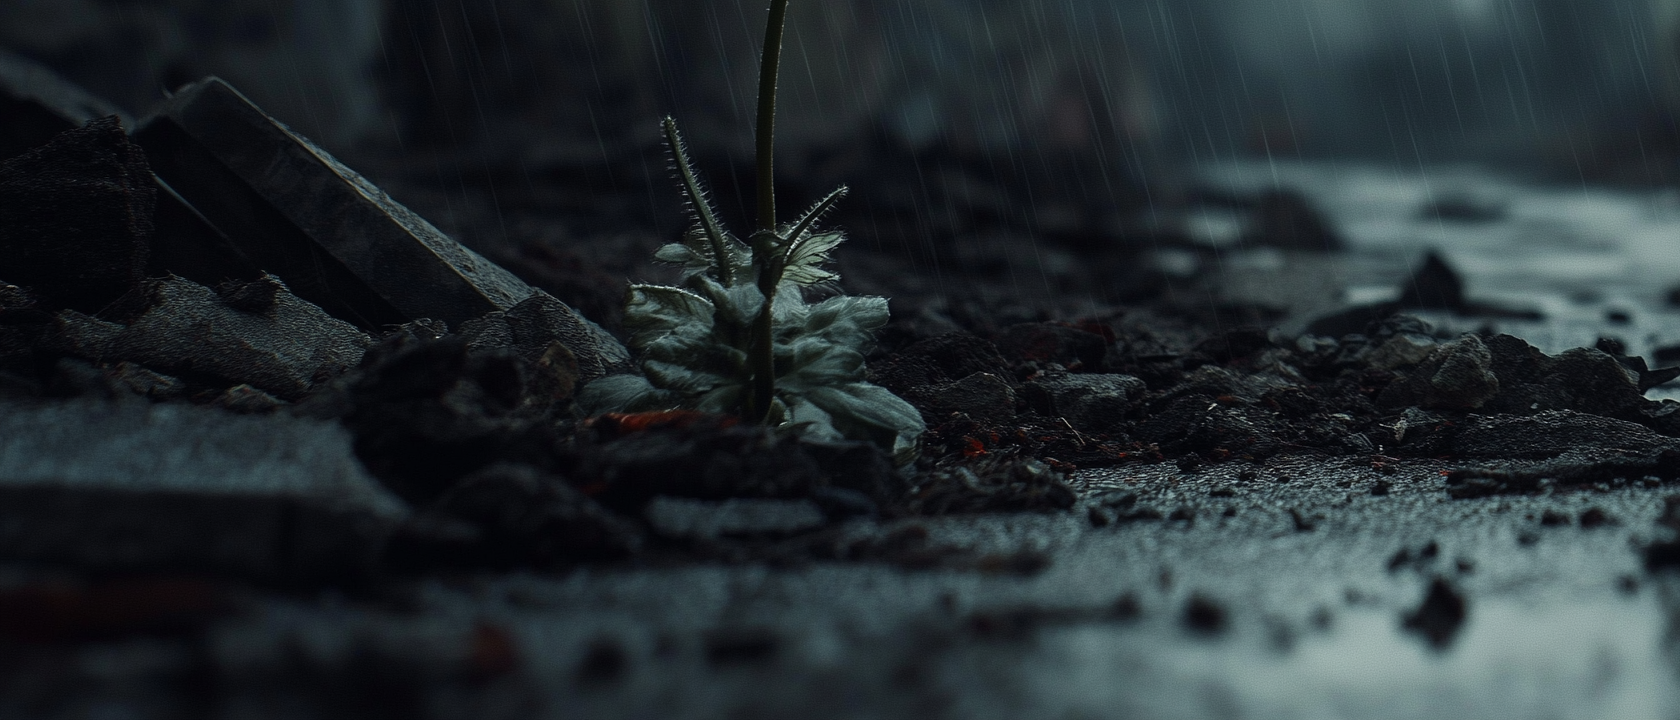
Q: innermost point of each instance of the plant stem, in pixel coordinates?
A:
(766, 247)
(769, 65)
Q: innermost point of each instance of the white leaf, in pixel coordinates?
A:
(869, 412)
(653, 311)
(813, 362)
(681, 378)
(811, 422)
(740, 304)
(847, 319)
(621, 393)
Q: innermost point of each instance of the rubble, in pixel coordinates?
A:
(1458, 375)
(76, 217)
(1438, 618)
(278, 343)
(1090, 402)
(136, 486)
(515, 516)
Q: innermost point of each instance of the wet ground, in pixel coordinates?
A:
(1297, 588)
(1254, 525)
(1301, 592)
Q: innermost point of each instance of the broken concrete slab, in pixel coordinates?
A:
(138, 486)
(76, 217)
(257, 333)
(297, 212)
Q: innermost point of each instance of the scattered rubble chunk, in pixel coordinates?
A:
(1052, 342)
(982, 396)
(525, 517)
(1203, 615)
(993, 484)
(1458, 375)
(1090, 402)
(1434, 285)
(534, 327)
(1402, 350)
(426, 411)
(76, 217)
(243, 398)
(137, 486)
(1285, 219)
(1440, 616)
(1583, 379)
(285, 348)
(1550, 434)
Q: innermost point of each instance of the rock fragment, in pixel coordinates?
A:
(1582, 379)
(982, 396)
(76, 217)
(141, 487)
(36, 104)
(526, 517)
(1286, 219)
(1052, 342)
(1440, 616)
(1090, 402)
(1458, 375)
(283, 346)
(532, 328)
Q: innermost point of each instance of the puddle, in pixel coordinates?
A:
(1579, 254)
(1511, 660)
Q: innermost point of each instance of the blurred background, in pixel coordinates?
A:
(1143, 80)
(1088, 127)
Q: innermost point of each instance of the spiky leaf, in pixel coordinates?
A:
(699, 205)
(806, 258)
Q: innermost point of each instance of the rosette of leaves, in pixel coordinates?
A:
(738, 336)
